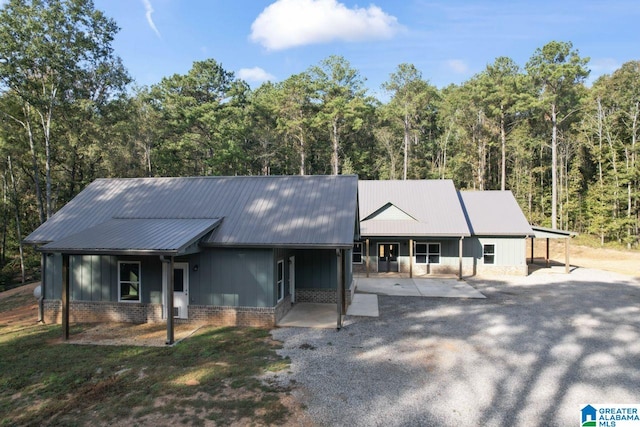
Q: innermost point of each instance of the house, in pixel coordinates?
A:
(499, 232)
(421, 227)
(234, 250)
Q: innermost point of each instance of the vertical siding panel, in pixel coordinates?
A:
(75, 277)
(96, 278)
(105, 278)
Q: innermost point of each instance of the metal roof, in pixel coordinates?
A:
(294, 211)
(434, 205)
(139, 235)
(494, 213)
(551, 233)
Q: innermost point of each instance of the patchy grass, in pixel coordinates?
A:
(209, 377)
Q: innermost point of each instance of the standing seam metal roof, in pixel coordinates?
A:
(494, 213)
(313, 211)
(433, 203)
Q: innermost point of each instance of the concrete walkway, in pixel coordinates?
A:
(365, 300)
(416, 287)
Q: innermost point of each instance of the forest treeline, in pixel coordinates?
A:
(69, 113)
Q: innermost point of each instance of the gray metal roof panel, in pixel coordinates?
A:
(494, 213)
(138, 234)
(258, 210)
(552, 233)
(433, 203)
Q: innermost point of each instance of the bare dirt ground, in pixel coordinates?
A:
(624, 262)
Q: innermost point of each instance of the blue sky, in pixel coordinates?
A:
(448, 41)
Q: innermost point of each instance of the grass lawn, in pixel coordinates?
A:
(210, 376)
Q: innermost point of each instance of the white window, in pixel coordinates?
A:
(489, 253)
(356, 256)
(280, 281)
(427, 253)
(129, 281)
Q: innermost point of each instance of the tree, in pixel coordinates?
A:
(339, 89)
(411, 97)
(500, 87)
(53, 53)
(295, 111)
(557, 70)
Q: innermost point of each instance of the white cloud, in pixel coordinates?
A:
(458, 66)
(289, 23)
(255, 74)
(149, 11)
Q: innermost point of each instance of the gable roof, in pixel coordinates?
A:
(282, 211)
(494, 213)
(433, 206)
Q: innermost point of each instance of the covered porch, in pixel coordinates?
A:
(548, 234)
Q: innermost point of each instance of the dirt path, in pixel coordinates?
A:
(20, 306)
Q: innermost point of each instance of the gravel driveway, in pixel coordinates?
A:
(530, 354)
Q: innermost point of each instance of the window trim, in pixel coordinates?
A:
(120, 282)
(493, 254)
(280, 283)
(353, 253)
(427, 253)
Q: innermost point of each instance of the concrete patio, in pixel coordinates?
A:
(365, 300)
(438, 287)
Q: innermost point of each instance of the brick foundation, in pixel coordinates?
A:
(323, 296)
(104, 312)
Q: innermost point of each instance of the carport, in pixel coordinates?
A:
(552, 233)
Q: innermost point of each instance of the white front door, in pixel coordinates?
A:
(180, 289)
(292, 278)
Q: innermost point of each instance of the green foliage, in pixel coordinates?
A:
(568, 153)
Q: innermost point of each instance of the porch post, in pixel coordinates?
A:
(339, 287)
(65, 297)
(547, 257)
(170, 287)
(410, 258)
(532, 243)
(344, 281)
(567, 265)
(460, 258)
(367, 258)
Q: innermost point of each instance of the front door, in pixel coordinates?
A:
(388, 257)
(180, 289)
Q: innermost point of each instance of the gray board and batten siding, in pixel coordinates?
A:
(433, 214)
(233, 232)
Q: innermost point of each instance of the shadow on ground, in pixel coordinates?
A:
(531, 353)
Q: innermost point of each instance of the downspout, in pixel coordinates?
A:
(460, 251)
(43, 261)
(169, 299)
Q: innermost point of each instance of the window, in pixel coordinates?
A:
(129, 281)
(356, 255)
(489, 253)
(280, 281)
(433, 253)
(421, 253)
(427, 253)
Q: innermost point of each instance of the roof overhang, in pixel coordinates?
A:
(137, 236)
(551, 233)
